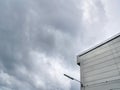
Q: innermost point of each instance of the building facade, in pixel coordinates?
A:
(100, 66)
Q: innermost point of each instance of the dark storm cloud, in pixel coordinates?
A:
(30, 29)
(53, 28)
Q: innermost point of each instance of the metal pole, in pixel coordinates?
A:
(73, 79)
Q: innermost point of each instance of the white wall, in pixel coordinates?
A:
(101, 64)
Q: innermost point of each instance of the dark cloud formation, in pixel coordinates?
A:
(36, 40)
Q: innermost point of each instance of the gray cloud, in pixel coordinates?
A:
(39, 40)
(34, 36)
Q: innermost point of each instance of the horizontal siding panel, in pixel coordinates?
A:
(101, 81)
(102, 76)
(94, 67)
(105, 52)
(98, 61)
(97, 57)
(100, 71)
(96, 53)
(115, 45)
(118, 64)
(117, 55)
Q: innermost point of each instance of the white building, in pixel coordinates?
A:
(100, 66)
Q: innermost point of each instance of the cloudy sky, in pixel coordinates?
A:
(39, 40)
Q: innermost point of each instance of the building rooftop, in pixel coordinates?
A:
(100, 44)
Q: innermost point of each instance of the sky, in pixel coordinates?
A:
(40, 39)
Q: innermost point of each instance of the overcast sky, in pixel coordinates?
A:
(39, 40)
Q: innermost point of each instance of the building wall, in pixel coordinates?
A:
(101, 66)
(112, 85)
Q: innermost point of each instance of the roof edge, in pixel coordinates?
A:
(98, 45)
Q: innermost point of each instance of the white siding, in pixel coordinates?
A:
(101, 64)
